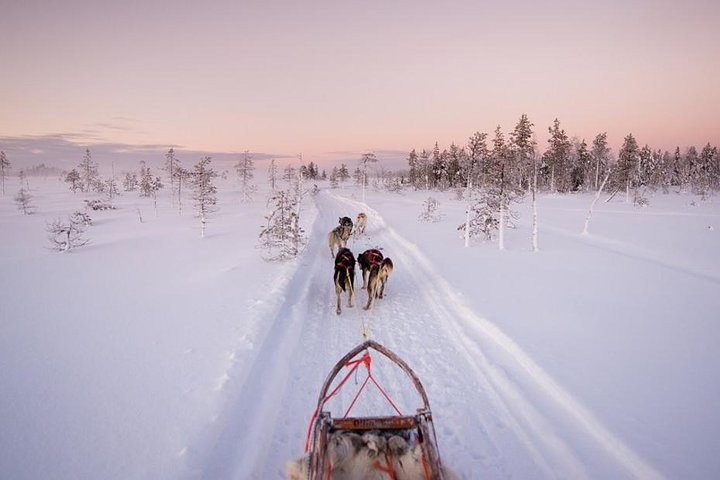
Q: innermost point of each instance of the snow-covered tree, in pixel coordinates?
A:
(499, 191)
(522, 149)
(111, 188)
(600, 154)
(625, 173)
(282, 237)
(711, 163)
(4, 167)
(701, 172)
(366, 158)
(88, 171)
(477, 159)
(149, 184)
(204, 191)
(582, 166)
(170, 166)
(130, 182)
(333, 177)
(557, 159)
(81, 218)
(245, 169)
(482, 218)
(343, 174)
(66, 235)
(23, 200)
(430, 211)
(181, 177)
(272, 174)
(289, 173)
(73, 178)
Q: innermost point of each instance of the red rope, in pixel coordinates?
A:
(355, 363)
(385, 395)
(356, 396)
(365, 360)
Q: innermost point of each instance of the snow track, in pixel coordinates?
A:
(497, 414)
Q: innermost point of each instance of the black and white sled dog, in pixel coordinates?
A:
(377, 278)
(370, 456)
(338, 236)
(344, 276)
(360, 224)
(366, 260)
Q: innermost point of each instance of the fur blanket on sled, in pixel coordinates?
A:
(370, 456)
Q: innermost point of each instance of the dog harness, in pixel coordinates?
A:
(374, 257)
(346, 260)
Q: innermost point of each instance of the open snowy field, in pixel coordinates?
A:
(151, 353)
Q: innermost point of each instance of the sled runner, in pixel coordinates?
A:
(393, 443)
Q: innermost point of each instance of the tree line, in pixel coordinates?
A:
(566, 165)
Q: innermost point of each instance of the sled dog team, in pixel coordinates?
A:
(373, 455)
(375, 268)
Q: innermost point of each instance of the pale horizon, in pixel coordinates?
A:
(331, 80)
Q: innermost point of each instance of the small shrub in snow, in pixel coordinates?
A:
(23, 200)
(81, 218)
(98, 205)
(282, 237)
(66, 235)
(430, 213)
(483, 219)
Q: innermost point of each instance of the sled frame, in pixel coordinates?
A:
(421, 422)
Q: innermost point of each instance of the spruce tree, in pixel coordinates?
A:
(627, 165)
(282, 237)
(204, 191)
(23, 200)
(88, 171)
(557, 159)
(245, 169)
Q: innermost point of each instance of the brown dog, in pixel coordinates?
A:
(378, 277)
(366, 260)
(344, 276)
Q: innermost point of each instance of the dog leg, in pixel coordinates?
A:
(370, 292)
(337, 294)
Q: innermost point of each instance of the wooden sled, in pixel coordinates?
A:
(322, 425)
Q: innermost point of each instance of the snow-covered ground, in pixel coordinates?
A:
(151, 353)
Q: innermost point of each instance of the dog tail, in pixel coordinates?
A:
(351, 280)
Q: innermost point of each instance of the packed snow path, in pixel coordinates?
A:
(497, 414)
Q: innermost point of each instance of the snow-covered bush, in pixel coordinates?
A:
(430, 213)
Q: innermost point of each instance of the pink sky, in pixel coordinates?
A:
(351, 76)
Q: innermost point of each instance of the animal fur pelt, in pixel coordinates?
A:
(366, 260)
(377, 278)
(344, 276)
(371, 456)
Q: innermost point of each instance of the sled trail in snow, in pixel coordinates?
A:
(496, 413)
